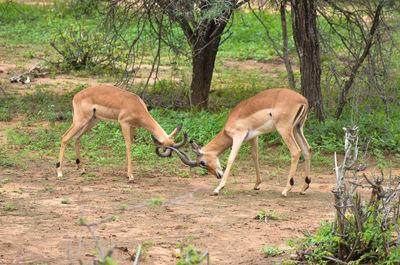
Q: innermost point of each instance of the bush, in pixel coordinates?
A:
(82, 47)
(366, 231)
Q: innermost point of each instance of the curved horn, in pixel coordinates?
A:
(185, 137)
(183, 156)
(163, 154)
(167, 153)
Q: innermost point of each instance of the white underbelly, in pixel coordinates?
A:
(267, 127)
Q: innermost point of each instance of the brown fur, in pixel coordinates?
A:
(273, 109)
(110, 103)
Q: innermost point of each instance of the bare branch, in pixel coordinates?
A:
(137, 256)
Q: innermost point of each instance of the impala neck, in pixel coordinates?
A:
(156, 130)
(219, 144)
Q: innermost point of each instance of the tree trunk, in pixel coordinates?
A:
(286, 59)
(203, 60)
(305, 35)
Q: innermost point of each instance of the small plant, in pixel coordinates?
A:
(81, 221)
(191, 255)
(29, 54)
(20, 191)
(193, 237)
(6, 158)
(108, 261)
(66, 201)
(124, 206)
(114, 217)
(185, 174)
(145, 248)
(9, 207)
(287, 262)
(264, 215)
(271, 251)
(156, 201)
(5, 180)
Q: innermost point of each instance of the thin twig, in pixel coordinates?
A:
(335, 260)
(137, 254)
(97, 241)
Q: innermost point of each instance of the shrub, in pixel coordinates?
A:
(366, 231)
(82, 47)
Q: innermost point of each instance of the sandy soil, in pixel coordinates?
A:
(40, 229)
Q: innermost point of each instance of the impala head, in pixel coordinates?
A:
(169, 142)
(204, 160)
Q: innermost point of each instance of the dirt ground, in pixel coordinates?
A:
(42, 230)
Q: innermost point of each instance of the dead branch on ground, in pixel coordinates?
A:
(25, 78)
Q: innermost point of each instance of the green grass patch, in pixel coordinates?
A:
(105, 145)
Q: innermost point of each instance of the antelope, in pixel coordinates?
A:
(110, 103)
(283, 110)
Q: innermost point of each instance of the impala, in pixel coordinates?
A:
(110, 103)
(283, 110)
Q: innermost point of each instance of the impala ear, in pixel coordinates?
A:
(175, 131)
(196, 149)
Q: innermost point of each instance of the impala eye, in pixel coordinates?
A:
(203, 163)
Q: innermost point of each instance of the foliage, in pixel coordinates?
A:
(66, 201)
(271, 251)
(108, 261)
(7, 159)
(380, 135)
(83, 48)
(190, 255)
(366, 231)
(325, 244)
(376, 132)
(156, 201)
(264, 215)
(79, 8)
(9, 207)
(248, 40)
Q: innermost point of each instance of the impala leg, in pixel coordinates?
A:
(295, 152)
(237, 142)
(126, 130)
(254, 155)
(71, 132)
(132, 132)
(305, 148)
(77, 138)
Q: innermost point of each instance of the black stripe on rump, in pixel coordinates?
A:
(298, 112)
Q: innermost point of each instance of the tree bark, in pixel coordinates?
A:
(305, 35)
(286, 59)
(203, 61)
